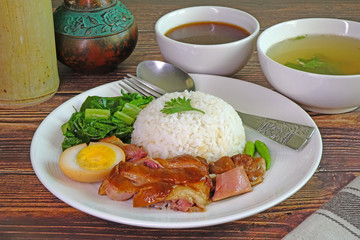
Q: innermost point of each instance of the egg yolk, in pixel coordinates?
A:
(96, 157)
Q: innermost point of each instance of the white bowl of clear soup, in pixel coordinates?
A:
(315, 62)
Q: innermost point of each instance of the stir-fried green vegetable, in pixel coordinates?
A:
(101, 117)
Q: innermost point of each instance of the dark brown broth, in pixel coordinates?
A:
(207, 33)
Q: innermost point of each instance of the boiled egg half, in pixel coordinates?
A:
(90, 163)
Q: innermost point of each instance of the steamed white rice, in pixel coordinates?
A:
(217, 133)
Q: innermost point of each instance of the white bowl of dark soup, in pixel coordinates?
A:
(315, 62)
(207, 39)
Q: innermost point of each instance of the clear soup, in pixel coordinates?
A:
(322, 54)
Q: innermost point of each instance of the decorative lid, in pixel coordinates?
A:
(92, 18)
(88, 4)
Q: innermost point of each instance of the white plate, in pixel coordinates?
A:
(289, 172)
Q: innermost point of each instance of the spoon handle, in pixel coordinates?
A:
(289, 134)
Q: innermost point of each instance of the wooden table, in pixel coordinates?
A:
(28, 210)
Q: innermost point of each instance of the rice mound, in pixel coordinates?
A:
(217, 133)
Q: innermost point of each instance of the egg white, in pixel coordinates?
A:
(71, 169)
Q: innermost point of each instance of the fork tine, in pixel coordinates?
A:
(147, 84)
(125, 85)
(141, 88)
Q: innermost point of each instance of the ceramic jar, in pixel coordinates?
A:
(94, 36)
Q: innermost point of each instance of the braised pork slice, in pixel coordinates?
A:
(118, 188)
(222, 165)
(231, 183)
(255, 167)
(185, 161)
(132, 152)
(183, 183)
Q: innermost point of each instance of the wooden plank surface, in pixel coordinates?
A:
(29, 211)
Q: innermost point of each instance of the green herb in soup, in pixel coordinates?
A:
(322, 54)
(206, 33)
(315, 65)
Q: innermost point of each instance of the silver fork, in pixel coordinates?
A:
(292, 135)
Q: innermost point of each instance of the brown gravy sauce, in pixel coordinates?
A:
(207, 33)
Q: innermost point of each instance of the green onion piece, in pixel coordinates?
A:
(131, 110)
(124, 117)
(97, 113)
(65, 127)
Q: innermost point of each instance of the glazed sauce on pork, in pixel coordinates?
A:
(255, 168)
(181, 183)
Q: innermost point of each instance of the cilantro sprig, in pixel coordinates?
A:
(179, 104)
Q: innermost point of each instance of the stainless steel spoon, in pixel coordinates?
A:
(171, 79)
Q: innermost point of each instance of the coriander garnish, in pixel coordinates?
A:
(179, 105)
